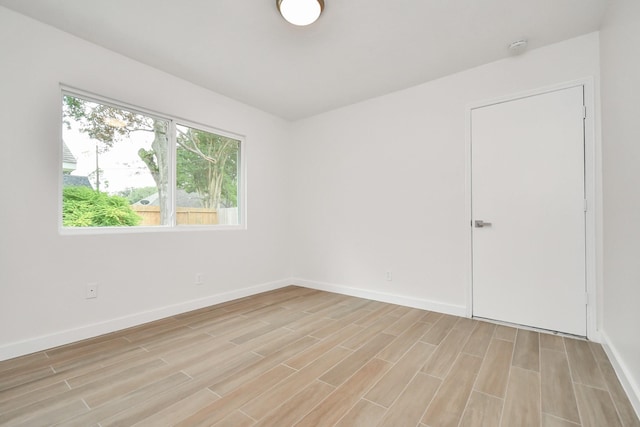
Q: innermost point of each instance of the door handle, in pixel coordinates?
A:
(480, 223)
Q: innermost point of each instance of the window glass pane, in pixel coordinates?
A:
(207, 177)
(115, 166)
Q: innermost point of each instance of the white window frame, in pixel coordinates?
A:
(173, 121)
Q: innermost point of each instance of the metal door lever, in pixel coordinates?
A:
(480, 223)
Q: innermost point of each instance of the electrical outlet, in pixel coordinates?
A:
(199, 279)
(91, 291)
(389, 276)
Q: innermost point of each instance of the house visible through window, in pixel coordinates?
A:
(125, 168)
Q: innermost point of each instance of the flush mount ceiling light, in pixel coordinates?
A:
(300, 12)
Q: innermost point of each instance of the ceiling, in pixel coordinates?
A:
(358, 49)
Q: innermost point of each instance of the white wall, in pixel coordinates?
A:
(381, 184)
(620, 65)
(141, 276)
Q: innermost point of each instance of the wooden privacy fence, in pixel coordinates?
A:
(151, 215)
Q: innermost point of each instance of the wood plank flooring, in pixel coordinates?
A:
(301, 357)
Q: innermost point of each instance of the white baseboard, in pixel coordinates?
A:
(456, 310)
(32, 345)
(629, 384)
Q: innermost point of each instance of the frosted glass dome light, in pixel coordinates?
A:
(300, 12)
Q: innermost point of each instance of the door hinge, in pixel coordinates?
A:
(586, 298)
(584, 111)
(586, 207)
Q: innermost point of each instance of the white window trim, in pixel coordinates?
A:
(173, 121)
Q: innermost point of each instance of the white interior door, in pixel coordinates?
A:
(527, 181)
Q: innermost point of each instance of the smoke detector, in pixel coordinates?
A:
(518, 46)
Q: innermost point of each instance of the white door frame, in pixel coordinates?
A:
(593, 185)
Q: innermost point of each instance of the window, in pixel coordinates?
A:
(127, 168)
(207, 167)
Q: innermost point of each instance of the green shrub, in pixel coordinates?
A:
(84, 207)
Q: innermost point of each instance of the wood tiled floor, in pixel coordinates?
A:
(302, 357)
